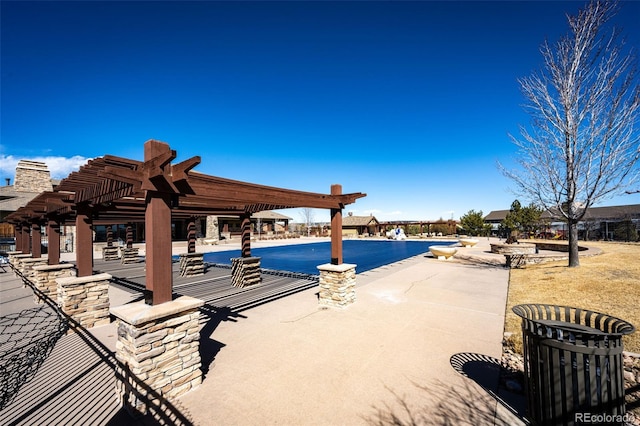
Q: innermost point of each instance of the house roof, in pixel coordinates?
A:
(631, 211)
(496, 215)
(358, 221)
(11, 200)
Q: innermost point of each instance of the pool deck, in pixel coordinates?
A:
(421, 344)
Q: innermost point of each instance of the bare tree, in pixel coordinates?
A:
(583, 144)
(307, 218)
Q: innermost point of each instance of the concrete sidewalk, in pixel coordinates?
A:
(420, 345)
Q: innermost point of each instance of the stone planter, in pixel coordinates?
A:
(516, 248)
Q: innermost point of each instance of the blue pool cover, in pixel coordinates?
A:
(305, 258)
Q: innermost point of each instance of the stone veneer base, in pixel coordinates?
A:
(85, 299)
(45, 276)
(157, 351)
(337, 284)
(191, 264)
(245, 271)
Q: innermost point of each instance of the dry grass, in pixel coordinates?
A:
(608, 283)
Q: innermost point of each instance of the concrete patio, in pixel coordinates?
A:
(421, 345)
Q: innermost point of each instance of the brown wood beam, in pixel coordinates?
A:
(246, 235)
(336, 229)
(159, 279)
(84, 246)
(36, 240)
(129, 235)
(53, 245)
(191, 236)
(26, 238)
(17, 233)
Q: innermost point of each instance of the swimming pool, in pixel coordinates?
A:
(305, 258)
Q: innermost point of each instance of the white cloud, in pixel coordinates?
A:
(60, 167)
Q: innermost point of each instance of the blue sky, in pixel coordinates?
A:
(409, 102)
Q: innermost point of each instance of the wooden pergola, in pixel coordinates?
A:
(113, 190)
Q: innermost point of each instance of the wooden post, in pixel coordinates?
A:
(336, 229)
(246, 234)
(158, 247)
(191, 236)
(159, 279)
(53, 233)
(129, 236)
(84, 235)
(109, 236)
(26, 238)
(36, 240)
(17, 232)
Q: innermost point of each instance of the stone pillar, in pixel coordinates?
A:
(191, 264)
(245, 271)
(27, 264)
(157, 351)
(212, 230)
(337, 284)
(45, 276)
(16, 261)
(110, 253)
(129, 255)
(85, 299)
(14, 256)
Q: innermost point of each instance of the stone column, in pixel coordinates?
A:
(157, 351)
(110, 252)
(245, 271)
(337, 284)
(27, 264)
(129, 255)
(85, 299)
(191, 264)
(45, 276)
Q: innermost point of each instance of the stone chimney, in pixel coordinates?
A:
(32, 176)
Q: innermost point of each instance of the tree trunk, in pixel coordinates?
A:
(574, 259)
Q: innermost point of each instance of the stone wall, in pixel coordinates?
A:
(212, 230)
(157, 351)
(517, 248)
(245, 271)
(85, 299)
(337, 284)
(45, 276)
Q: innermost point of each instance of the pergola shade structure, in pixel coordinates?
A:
(113, 190)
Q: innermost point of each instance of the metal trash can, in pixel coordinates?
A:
(573, 365)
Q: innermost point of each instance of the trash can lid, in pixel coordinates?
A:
(573, 319)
